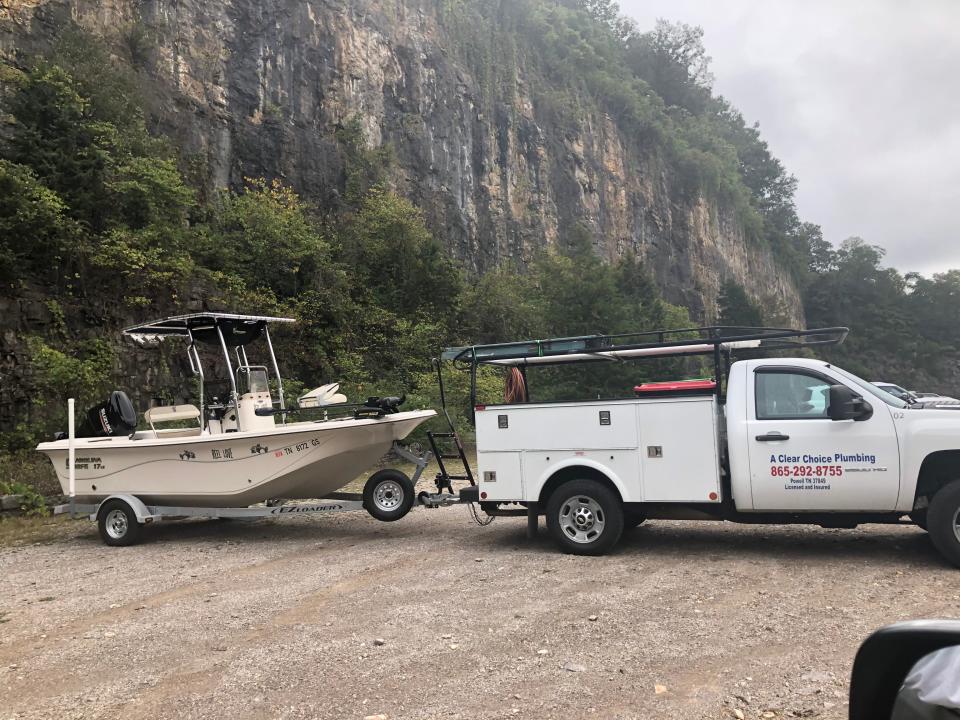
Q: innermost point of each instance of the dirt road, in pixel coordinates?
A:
(434, 617)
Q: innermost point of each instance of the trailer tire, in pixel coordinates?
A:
(388, 495)
(118, 524)
(585, 517)
(942, 518)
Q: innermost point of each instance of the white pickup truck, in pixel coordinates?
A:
(781, 440)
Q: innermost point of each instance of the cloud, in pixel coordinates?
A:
(859, 101)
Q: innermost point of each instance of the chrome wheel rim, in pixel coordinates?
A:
(116, 524)
(582, 519)
(956, 524)
(388, 495)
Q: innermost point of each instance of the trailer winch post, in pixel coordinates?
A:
(71, 456)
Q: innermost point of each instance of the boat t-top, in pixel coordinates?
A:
(246, 449)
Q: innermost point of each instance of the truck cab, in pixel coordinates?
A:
(788, 454)
(769, 440)
(792, 450)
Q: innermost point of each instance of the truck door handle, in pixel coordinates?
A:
(772, 436)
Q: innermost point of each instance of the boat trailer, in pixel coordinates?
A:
(115, 527)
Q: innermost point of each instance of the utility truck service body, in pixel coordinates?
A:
(782, 440)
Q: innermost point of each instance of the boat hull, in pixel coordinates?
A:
(296, 461)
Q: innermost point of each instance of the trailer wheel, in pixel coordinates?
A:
(585, 517)
(118, 524)
(388, 495)
(943, 522)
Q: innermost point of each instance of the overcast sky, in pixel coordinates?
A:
(860, 99)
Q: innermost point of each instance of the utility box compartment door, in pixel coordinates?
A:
(678, 451)
(558, 426)
(500, 475)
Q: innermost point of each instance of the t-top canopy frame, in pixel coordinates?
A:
(716, 340)
(194, 323)
(221, 329)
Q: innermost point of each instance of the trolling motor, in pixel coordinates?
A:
(377, 407)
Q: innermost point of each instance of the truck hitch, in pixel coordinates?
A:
(469, 494)
(439, 499)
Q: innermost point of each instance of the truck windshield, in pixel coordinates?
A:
(870, 388)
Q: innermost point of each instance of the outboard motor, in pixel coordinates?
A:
(114, 417)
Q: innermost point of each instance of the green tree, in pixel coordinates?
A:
(34, 229)
(55, 135)
(673, 59)
(264, 235)
(500, 306)
(734, 307)
(393, 258)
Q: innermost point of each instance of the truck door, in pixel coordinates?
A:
(800, 460)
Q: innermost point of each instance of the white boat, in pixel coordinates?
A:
(235, 453)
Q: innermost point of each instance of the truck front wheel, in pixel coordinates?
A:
(943, 522)
(585, 517)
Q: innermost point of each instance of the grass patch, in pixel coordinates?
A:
(17, 531)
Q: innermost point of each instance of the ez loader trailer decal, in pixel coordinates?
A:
(776, 440)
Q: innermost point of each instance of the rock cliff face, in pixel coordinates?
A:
(258, 88)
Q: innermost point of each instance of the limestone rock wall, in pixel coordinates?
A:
(258, 87)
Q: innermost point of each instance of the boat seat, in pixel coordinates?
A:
(171, 413)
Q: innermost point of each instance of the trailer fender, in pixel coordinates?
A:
(143, 513)
(576, 468)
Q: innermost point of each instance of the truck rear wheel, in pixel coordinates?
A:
(943, 522)
(585, 517)
(388, 495)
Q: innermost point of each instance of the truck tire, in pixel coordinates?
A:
(118, 524)
(942, 518)
(388, 495)
(585, 517)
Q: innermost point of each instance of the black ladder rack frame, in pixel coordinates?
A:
(718, 341)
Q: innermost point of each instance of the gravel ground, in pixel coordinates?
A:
(434, 617)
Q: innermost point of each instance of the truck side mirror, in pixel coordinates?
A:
(907, 670)
(847, 405)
